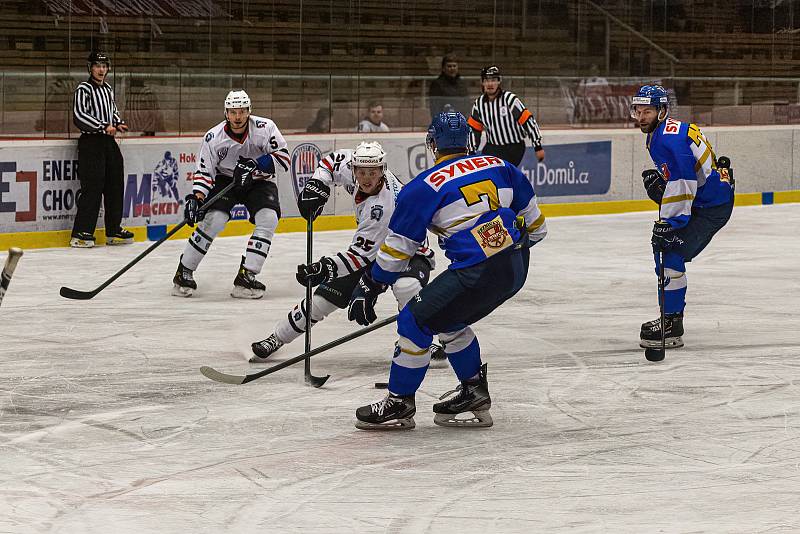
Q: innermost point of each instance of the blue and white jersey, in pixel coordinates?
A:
(686, 160)
(471, 203)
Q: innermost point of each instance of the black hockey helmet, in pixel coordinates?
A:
(97, 58)
(491, 72)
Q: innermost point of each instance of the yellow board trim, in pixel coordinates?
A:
(60, 238)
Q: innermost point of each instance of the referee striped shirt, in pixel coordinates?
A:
(505, 120)
(93, 107)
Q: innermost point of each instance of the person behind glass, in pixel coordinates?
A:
(100, 161)
(374, 121)
(448, 92)
(322, 122)
(505, 119)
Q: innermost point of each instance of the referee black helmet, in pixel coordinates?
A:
(491, 72)
(96, 58)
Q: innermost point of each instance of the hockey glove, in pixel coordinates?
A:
(363, 299)
(313, 198)
(654, 184)
(243, 172)
(664, 237)
(191, 209)
(317, 273)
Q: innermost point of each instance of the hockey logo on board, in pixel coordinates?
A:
(305, 157)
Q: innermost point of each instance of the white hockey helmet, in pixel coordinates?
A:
(369, 154)
(237, 99)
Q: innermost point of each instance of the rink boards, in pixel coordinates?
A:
(585, 172)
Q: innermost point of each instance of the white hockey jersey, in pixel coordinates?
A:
(372, 212)
(219, 152)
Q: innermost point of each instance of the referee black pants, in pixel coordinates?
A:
(512, 153)
(100, 170)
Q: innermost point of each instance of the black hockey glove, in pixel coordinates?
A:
(654, 184)
(191, 209)
(243, 172)
(664, 237)
(317, 273)
(363, 299)
(313, 198)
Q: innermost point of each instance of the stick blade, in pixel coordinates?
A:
(316, 381)
(217, 376)
(74, 294)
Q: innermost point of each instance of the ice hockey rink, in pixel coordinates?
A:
(108, 426)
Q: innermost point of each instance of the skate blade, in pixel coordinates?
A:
(114, 241)
(395, 424)
(178, 291)
(669, 343)
(80, 243)
(480, 419)
(239, 292)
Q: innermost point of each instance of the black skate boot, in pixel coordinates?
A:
(120, 237)
(438, 356)
(472, 396)
(391, 413)
(81, 240)
(673, 330)
(264, 348)
(245, 285)
(184, 284)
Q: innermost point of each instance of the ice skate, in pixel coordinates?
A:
(391, 413)
(264, 348)
(81, 240)
(120, 237)
(471, 396)
(184, 284)
(651, 332)
(438, 356)
(245, 286)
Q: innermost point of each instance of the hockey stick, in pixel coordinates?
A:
(14, 254)
(316, 381)
(225, 378)
(651, 353)
(75, 294)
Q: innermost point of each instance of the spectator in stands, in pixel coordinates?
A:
(374, 121)
(322, 122)
(143, 109)
(100, 161)
(448, 92)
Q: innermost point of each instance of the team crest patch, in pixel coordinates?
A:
(305, 158)
(492, 236)
(665, 172)
(222, 152)
(376, 213)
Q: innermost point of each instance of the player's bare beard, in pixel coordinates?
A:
(650, 127)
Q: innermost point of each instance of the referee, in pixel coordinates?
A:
(100, 164)
(505, 119)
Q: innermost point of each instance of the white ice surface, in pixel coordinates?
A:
(106, 425)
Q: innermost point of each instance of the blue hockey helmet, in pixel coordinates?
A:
(448, 130)
(651, 95)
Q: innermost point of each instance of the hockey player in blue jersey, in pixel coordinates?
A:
(695, 201)
(485, 213)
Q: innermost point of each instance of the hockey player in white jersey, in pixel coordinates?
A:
(248, 150)
(363, 173)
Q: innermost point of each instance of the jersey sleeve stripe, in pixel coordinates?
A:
(677, 198)
(393, 252)
(535, 225)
